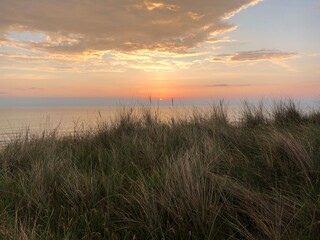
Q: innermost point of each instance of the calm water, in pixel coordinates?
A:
(17, 121)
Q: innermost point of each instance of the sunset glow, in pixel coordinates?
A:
(162, 49)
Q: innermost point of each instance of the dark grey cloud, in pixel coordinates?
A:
(124, 25)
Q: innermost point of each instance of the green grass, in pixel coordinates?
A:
(140, 178)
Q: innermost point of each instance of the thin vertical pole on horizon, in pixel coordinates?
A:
(150, 102)
(172, 102)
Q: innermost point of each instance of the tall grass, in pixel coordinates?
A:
(198, 178)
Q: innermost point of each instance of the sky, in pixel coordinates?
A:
(181, 49)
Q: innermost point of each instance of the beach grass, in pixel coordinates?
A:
(202, 177)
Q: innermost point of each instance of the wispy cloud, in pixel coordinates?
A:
(30, 89)
(21, 89)
(36, 88)
(313, 55)
(104, 61)
(3, 41)
(252, 56)
(226, 85)
(3, 93)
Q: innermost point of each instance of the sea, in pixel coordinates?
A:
(17, 122)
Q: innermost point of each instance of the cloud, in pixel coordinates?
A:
(226, 85)
(77, 26)
(3, 93)
(108, 61)
(21, 89)
(36, 88)
(3, 41)
(27, 89)
(32, 61)
(313, 55)
(259, 55)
